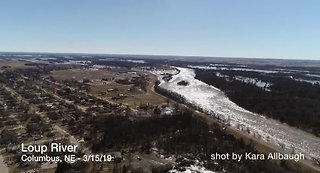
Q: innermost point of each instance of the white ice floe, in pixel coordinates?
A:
(220, 67)
(197, 167)
(192, 169)
(214, 102)
(136, 61)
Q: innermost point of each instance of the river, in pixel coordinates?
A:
(214, 102)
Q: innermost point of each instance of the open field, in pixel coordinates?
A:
(135, 97)
(13, 64)
(128, 93)
(80, 74)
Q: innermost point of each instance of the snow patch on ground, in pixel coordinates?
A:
(192, 169)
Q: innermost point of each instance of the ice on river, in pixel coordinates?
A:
(214, 102)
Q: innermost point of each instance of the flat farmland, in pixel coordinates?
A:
(13, 64)
(80, 74)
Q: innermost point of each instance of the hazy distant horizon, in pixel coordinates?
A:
(155, 55)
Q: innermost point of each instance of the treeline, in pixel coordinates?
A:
(292, 102)
(120, 132)
(183, 135)
(202, 140)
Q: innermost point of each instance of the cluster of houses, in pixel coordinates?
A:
(32, 105)
(13, 115)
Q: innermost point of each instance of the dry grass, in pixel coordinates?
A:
(13, 64)
(135, 98)
(148, 97)
(99, 88)
(80, 74)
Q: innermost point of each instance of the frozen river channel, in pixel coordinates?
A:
(214, 102)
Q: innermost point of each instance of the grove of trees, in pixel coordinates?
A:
(292, 102)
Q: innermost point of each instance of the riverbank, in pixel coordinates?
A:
(260, 145)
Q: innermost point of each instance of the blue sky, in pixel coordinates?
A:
(228, 28)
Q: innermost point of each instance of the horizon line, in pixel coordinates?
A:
(159, 55)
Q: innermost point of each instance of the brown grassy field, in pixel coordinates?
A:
(80, 74)
(134, 99)
(13, 64)
(99, 88)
